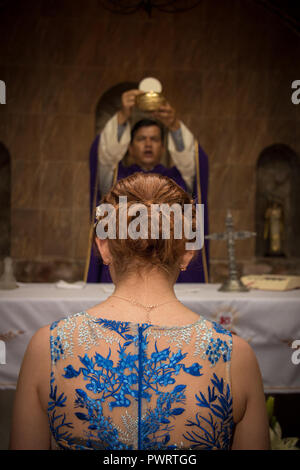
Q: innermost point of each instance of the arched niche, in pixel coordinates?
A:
(110, 102)
(278, 201)
(5, 188)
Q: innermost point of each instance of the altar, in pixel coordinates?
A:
(268, 320)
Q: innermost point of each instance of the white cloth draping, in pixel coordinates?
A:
(268, 320)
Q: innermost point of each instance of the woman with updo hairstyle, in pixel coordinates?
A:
(129, 255)
(140, 371)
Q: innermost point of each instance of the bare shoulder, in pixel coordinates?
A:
(240, 345)
(244, 366)
(36, 366)
(242, 353)
(249, 408)
(39, 343)
(30, 428)
(246, 378)
(36, 360)
(40, 335)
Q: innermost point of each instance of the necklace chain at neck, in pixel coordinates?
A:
(149, 308)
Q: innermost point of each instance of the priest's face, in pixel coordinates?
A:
(147, 147)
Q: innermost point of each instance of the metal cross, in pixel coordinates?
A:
(233, 283)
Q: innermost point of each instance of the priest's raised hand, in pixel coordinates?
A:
(167, 115)
(128, 100)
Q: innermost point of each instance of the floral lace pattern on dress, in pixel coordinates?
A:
(146, 385)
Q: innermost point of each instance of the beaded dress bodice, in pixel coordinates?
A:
(120, 385)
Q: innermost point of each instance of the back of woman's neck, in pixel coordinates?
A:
(146, 289)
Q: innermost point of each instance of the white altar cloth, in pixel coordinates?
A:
(269, 321)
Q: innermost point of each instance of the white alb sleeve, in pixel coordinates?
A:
(184, 160)
(111, 151)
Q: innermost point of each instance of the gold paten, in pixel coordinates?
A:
(150, 101)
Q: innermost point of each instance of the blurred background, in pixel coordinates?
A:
(226, 66)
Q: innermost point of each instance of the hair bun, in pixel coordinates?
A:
(147, 190)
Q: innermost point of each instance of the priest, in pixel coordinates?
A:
(121, 150)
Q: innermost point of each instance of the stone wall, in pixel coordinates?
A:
(227, 67)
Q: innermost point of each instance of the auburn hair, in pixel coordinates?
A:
(131, 254)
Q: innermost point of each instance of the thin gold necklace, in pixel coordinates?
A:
(148, 308)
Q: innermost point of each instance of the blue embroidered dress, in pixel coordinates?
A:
(120, 385)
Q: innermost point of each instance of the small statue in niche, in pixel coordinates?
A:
(274, 229)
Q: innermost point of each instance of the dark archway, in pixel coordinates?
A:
(110, 103)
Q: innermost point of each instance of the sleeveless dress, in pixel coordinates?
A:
(121, 385)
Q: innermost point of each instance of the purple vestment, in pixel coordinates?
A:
(97, 272)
